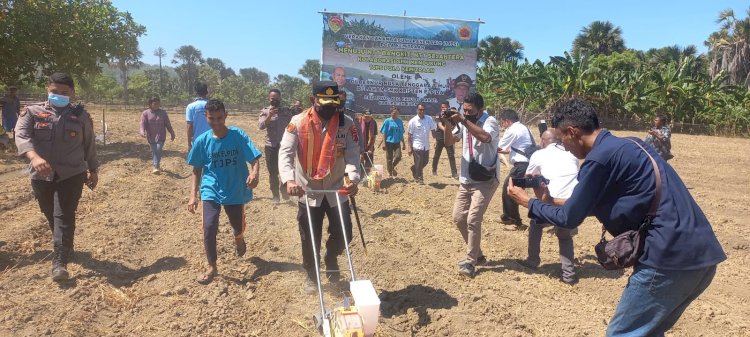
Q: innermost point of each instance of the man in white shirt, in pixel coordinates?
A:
(516, 138)
(479, 177)
(560, 167)
(420, 127)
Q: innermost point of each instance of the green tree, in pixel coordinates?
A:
(291, 87)
(600, 37)
(310, 70)
(160, 53)
(255, 75)
(78, 35)
(494, 50)
(730, 48)
(189, 59)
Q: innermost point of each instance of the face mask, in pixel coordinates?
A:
(58, 101)
(472, 118)
(275, 102)
(327, 111)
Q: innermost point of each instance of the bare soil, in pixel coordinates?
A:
(139, 251)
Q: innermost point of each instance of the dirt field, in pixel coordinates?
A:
(139, 251)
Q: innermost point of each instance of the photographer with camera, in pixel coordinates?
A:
(479, 175)
(274, 119)
(659, 229)
(517, 141)
(560, 167)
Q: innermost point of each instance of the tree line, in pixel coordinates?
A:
(709, 89)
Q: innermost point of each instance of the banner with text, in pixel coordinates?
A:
(383, 61)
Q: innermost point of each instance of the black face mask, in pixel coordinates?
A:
(472, 118)
(327, 111)
(275, 103)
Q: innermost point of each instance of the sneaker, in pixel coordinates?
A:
(467, 269)
(528, 264)
(505, 220)
(155, 171)
(275, 200)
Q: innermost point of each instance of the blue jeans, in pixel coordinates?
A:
(655, 299)
(156, 151)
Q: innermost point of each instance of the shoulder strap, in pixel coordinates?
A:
(657, 173)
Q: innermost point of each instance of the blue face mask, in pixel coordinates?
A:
(58, 101)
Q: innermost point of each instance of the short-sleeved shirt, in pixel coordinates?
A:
(616, 183)
(393, 130)
(662, 146)
(557, 165)
(195, 114)
(517, 136)
(484, 153)
(419, 129)
(223, 161)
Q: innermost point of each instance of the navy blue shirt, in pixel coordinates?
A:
(616, 184)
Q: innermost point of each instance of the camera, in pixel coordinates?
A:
(530, 182)
(449, 113)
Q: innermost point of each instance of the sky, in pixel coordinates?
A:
(278, 36)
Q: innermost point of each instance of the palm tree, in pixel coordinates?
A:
(600, 37)
(494, 49)
(730, 48)
(160, 53)
(190, 57)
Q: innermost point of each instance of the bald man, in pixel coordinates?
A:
(561, 168)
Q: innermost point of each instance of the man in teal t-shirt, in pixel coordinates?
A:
(195, 115)
(219, 158)
(393, 133)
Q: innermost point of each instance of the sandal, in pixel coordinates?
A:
(240, 247)
(206, 278)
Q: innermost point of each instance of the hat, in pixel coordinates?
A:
(326, 92)
(463, 79)
(367, 112)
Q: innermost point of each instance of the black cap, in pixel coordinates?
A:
(326, 92)
(463, 79)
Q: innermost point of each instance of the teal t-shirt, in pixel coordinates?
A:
(223, 161)
(393, 130)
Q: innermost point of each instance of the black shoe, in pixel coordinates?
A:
(528, 264)
(332, 270)
(59, 268)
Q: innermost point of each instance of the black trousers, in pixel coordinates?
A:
(510, 207)
(272, 164)
(335, 243)
(439, 145)
(58, 201)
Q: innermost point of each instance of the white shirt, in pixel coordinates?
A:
(557, 165)
(419, 129)
(484, 153)
(518, 136)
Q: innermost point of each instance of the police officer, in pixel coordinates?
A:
(58, 138)
(321, 146)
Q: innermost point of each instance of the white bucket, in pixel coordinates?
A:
(367, 302)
